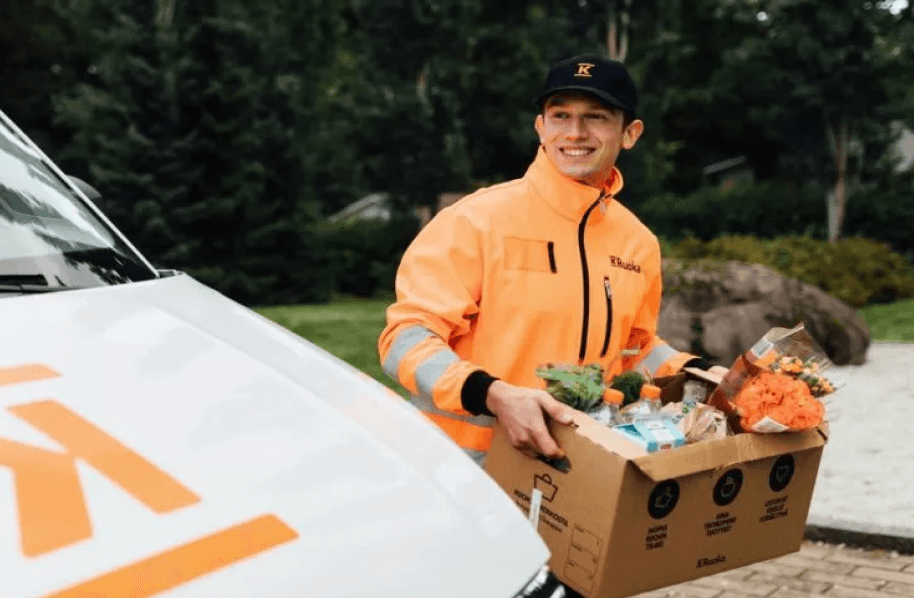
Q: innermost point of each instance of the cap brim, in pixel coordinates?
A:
(599, 95)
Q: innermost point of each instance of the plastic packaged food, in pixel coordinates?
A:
(697, 421)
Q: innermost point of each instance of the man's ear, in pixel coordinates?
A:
(540, 126)
(632, 133)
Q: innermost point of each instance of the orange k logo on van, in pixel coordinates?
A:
(52, 507)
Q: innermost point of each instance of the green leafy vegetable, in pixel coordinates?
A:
(629, 383)
(580, 387)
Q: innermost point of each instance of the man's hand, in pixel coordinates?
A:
(520, 412)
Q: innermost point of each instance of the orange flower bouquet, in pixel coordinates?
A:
(773, 402)
(779, 385)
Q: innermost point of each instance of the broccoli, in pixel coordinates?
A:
(629, 383)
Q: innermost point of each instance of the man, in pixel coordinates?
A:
(549, 268)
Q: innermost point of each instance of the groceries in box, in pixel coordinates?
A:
(670, 479)
(777, 386)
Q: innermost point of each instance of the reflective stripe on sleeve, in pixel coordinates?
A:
(655, 359)
(406, 340)
(431, 370)
(469, 431)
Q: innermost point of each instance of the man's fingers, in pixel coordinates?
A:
(546, 445)
(557, 410)
(520, 440)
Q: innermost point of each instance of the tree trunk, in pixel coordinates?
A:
(165, 14)
(422, 91)
(839, 142)
(617, 26)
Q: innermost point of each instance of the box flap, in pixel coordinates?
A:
(606, 438)
(719, 454)
(698, 374)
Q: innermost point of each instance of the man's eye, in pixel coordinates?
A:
(597, 117)
(561, 115)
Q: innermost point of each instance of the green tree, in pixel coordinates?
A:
(816, 73)
(191, 135)
(42, 55)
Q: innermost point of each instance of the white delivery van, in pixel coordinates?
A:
(158, 439)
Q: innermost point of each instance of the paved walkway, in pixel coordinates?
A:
(817, 570)
(866, 477)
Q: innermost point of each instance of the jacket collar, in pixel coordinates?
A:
(566, 196)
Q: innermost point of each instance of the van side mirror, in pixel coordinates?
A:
(87, 189)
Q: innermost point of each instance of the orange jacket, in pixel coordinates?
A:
(536, 270)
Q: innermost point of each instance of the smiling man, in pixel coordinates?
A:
(548, 268)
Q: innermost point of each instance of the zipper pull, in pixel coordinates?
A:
(609, 290)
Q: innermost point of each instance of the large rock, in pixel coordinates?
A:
(720, 309)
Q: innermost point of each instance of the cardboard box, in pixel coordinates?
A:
(619, 521)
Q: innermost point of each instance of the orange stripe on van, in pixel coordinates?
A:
(25, 373)
(467, 435)
(185, 563)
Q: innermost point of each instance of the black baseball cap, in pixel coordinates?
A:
(607, 80)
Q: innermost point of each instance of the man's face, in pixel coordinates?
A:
(583, 137)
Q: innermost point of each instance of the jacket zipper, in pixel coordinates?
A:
(609, 315)
(585, 276)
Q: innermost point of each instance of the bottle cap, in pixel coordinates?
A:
(613, 396)
(649, 391)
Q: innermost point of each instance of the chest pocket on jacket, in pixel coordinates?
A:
(529, 254)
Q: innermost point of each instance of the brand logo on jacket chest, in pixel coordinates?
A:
(620, 263)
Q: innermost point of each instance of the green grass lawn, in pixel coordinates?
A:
(349, 328)
(891, 321)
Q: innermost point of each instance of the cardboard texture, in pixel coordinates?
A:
(620, 521)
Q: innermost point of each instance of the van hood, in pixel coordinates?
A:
(292, 474)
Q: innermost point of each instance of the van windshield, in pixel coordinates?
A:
(49, 238)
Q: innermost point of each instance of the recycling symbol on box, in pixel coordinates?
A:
(663, 499)
(781, 472)
(728, 487)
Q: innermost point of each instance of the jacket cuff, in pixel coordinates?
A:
(474, 391)
(698, 362)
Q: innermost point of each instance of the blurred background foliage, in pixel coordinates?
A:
(222, 134)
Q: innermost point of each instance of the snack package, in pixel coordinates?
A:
(697, 421)
(778, 385)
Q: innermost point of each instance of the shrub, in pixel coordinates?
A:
(364, 255)
(856, 270)
(771, 209)
(884, 215)
(765, 209)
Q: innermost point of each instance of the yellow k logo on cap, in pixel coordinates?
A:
(584, 69)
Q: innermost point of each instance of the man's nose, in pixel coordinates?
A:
(577, 128)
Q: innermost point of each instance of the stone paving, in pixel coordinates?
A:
(866, 477)
(818, 569)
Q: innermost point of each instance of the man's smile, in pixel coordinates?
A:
(576, 152)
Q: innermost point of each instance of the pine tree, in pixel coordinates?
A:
(190, 133)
